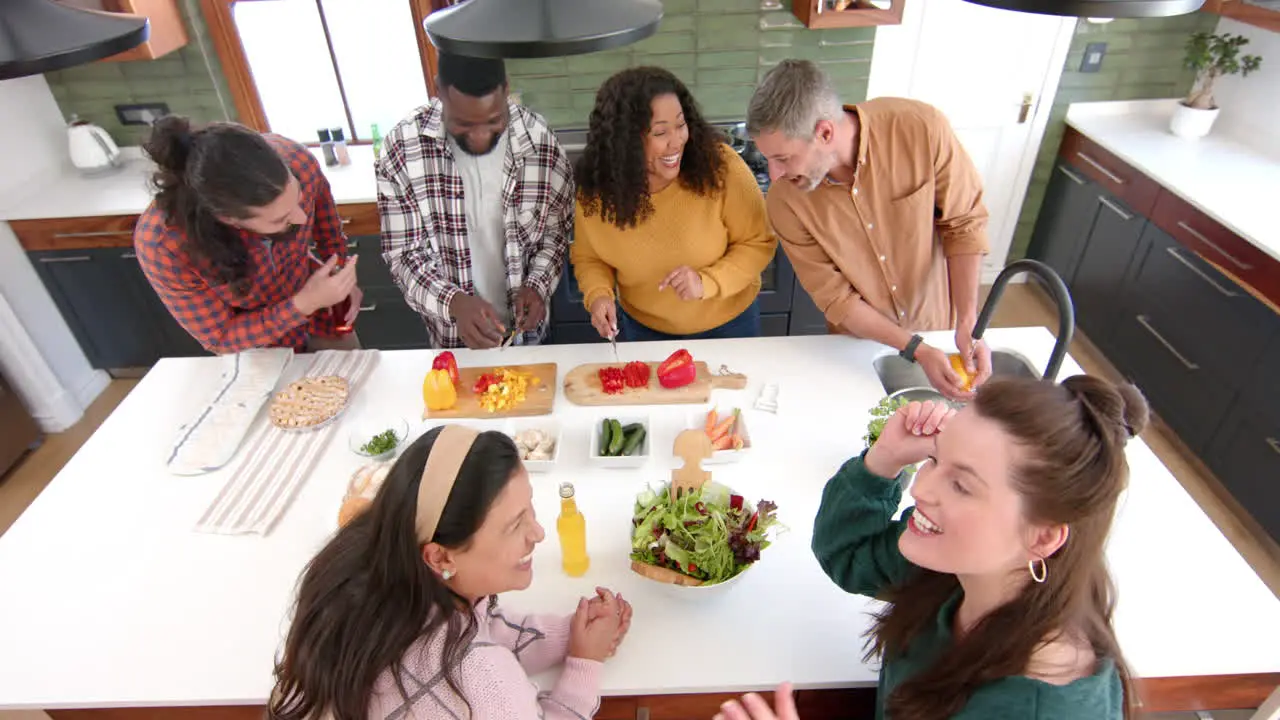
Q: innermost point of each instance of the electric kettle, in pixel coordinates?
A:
(93, 152)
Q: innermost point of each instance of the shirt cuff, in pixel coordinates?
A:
(710, 288)
(589, 298)
(965, 243)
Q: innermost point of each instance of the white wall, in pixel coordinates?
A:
(1251, 106)
(33, 145)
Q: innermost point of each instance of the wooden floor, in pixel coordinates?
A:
(1022, 305)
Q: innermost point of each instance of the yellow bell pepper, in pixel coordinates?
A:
(438, 391)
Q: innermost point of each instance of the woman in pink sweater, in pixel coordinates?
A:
(398, 615)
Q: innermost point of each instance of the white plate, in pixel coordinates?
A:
(626, 461)
(515, 425)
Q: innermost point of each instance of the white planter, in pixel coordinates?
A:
(1192, 123)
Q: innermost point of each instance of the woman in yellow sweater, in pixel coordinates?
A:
(667, 214)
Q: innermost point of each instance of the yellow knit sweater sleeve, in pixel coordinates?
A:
(751, 241)
(595, 277)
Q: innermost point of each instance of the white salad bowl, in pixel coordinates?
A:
(702, 592)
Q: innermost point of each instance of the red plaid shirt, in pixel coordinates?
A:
(265, 316)
(424, 222)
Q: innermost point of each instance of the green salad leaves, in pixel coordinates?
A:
(709, 534)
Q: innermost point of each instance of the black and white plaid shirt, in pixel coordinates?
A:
(424, 223)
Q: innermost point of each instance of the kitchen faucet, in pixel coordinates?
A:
(1061, 298)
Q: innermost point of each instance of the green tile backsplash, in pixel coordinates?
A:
(720, 48)
(1143, 61)
(182, 79)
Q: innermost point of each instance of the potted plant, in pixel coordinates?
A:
(1211, 56)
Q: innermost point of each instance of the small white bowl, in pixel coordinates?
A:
(698, 421)
(551, 427)
(364, 431)
(625, 461)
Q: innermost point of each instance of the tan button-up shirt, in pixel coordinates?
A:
(916, 199)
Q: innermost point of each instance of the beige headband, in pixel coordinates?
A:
(441, 472)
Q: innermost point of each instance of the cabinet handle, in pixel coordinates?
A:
(1142, 320)
(1101, 168)
(344, 221)
(77, 258)
(1115, 208)
(1192, 232)
(643, 713)
(353, 244)
(98, 233)
(128, 256)
(1203, 275)
(369, 308)
(1275, 444)
(1070, 175)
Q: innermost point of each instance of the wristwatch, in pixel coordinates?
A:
(909, 352)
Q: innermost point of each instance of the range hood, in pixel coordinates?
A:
(1097, 8)
(38, 36)
(540, 28)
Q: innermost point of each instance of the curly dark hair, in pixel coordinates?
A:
(611, 175)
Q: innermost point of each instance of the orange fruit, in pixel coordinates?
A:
(966, 377)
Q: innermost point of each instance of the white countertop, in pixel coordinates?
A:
(110, 598)
(125, 192)
(1234, 180)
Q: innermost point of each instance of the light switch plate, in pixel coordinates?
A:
(1093, 54)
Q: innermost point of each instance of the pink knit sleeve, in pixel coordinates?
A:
(538, 641)
(498, 688)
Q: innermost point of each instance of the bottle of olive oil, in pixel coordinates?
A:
(572, 528)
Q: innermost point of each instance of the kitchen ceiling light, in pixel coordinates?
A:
(38, 36)
(541, 28)
(1097, 8)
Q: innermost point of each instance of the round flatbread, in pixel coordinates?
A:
(309, 402)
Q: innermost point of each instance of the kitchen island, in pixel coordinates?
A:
(114, 607)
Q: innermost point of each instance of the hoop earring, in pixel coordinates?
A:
(1044, 569)
(447, 575)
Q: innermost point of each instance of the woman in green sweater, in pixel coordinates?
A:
(999, 599)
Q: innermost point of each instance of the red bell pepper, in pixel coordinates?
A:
(677, 370)
(447, 362)
(637, 374)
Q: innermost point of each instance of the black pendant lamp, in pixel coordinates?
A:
(1097, 8)
(38, 36)
(540, 28)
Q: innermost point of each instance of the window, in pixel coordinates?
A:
(299, 66)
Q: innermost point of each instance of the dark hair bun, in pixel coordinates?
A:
(1119, 407)
(169, 145)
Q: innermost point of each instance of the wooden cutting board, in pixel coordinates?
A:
(539, 400)
(582, 387)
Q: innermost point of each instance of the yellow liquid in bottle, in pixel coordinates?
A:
(572, 528)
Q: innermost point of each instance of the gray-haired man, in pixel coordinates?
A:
(880, 210)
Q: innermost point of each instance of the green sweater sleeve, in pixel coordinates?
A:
(855, 537)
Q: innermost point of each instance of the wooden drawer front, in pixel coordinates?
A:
(1173, 378)
(360, 219)
(1218, 245)
(1136, 190)
(1246, 458)
(80, 233)
(1210, 319)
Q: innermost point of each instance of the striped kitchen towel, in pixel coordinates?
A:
(275, 462)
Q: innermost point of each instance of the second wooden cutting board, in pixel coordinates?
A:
(582, 387)
(539, 399)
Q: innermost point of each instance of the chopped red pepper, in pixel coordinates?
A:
(484, 381)
(692, 568)
(636, 374)
(447, 362)
(612, 380)
(752, 524)
(677, 370)
(735, 502)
